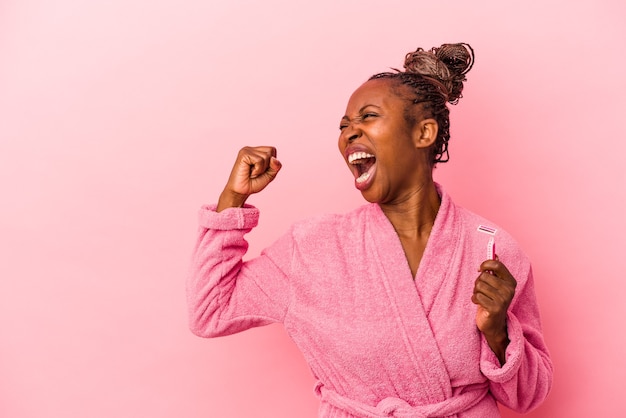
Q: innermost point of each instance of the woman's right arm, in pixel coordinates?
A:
(224, 294)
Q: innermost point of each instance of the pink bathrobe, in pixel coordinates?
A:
(380, 343)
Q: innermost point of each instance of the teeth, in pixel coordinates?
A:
(358, 156)
(363, 177)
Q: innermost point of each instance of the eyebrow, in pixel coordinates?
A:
(345, 117)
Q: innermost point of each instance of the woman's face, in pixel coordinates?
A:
(379, 146)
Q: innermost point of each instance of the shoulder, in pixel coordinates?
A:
(473, 227)
(478, 230)
(329, 233)
(332, 224)
(320, 242)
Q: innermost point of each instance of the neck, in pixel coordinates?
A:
(413, 216)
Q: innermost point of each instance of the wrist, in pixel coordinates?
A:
(498, 342)
(229, 199)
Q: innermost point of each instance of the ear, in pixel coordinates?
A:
(425, 133)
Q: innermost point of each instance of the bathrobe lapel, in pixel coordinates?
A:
(410, 299)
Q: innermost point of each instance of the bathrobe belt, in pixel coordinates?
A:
(398, 408)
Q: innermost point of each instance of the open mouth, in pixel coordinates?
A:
(362, 164)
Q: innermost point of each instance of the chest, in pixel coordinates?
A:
(413, 251)
(375, 315)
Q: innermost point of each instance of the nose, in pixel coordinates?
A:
(353, 137)
(350, 133)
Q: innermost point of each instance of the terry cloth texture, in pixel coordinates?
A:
(380, 342)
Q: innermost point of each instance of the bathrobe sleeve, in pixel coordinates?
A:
(525, 379)
(224, 294)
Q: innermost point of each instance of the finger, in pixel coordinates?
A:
(274, 167)
(270, 168)
(488, 265)
(491, 283)
(270, 173)
(483, 300)
(271, 151)
(497, 268)
(490, 307)
(494, 281)
(267, 154)
(495, 303)
(485, 290)
(493, 294)
(257, 163)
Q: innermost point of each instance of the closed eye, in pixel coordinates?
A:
(359, 119)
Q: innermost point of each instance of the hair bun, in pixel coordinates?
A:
(447, 64)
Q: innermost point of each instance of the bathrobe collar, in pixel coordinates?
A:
(412, 299)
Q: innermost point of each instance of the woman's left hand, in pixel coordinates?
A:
(493, 292)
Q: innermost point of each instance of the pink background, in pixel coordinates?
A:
(118, 119)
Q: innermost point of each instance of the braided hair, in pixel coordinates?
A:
(435, 78)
